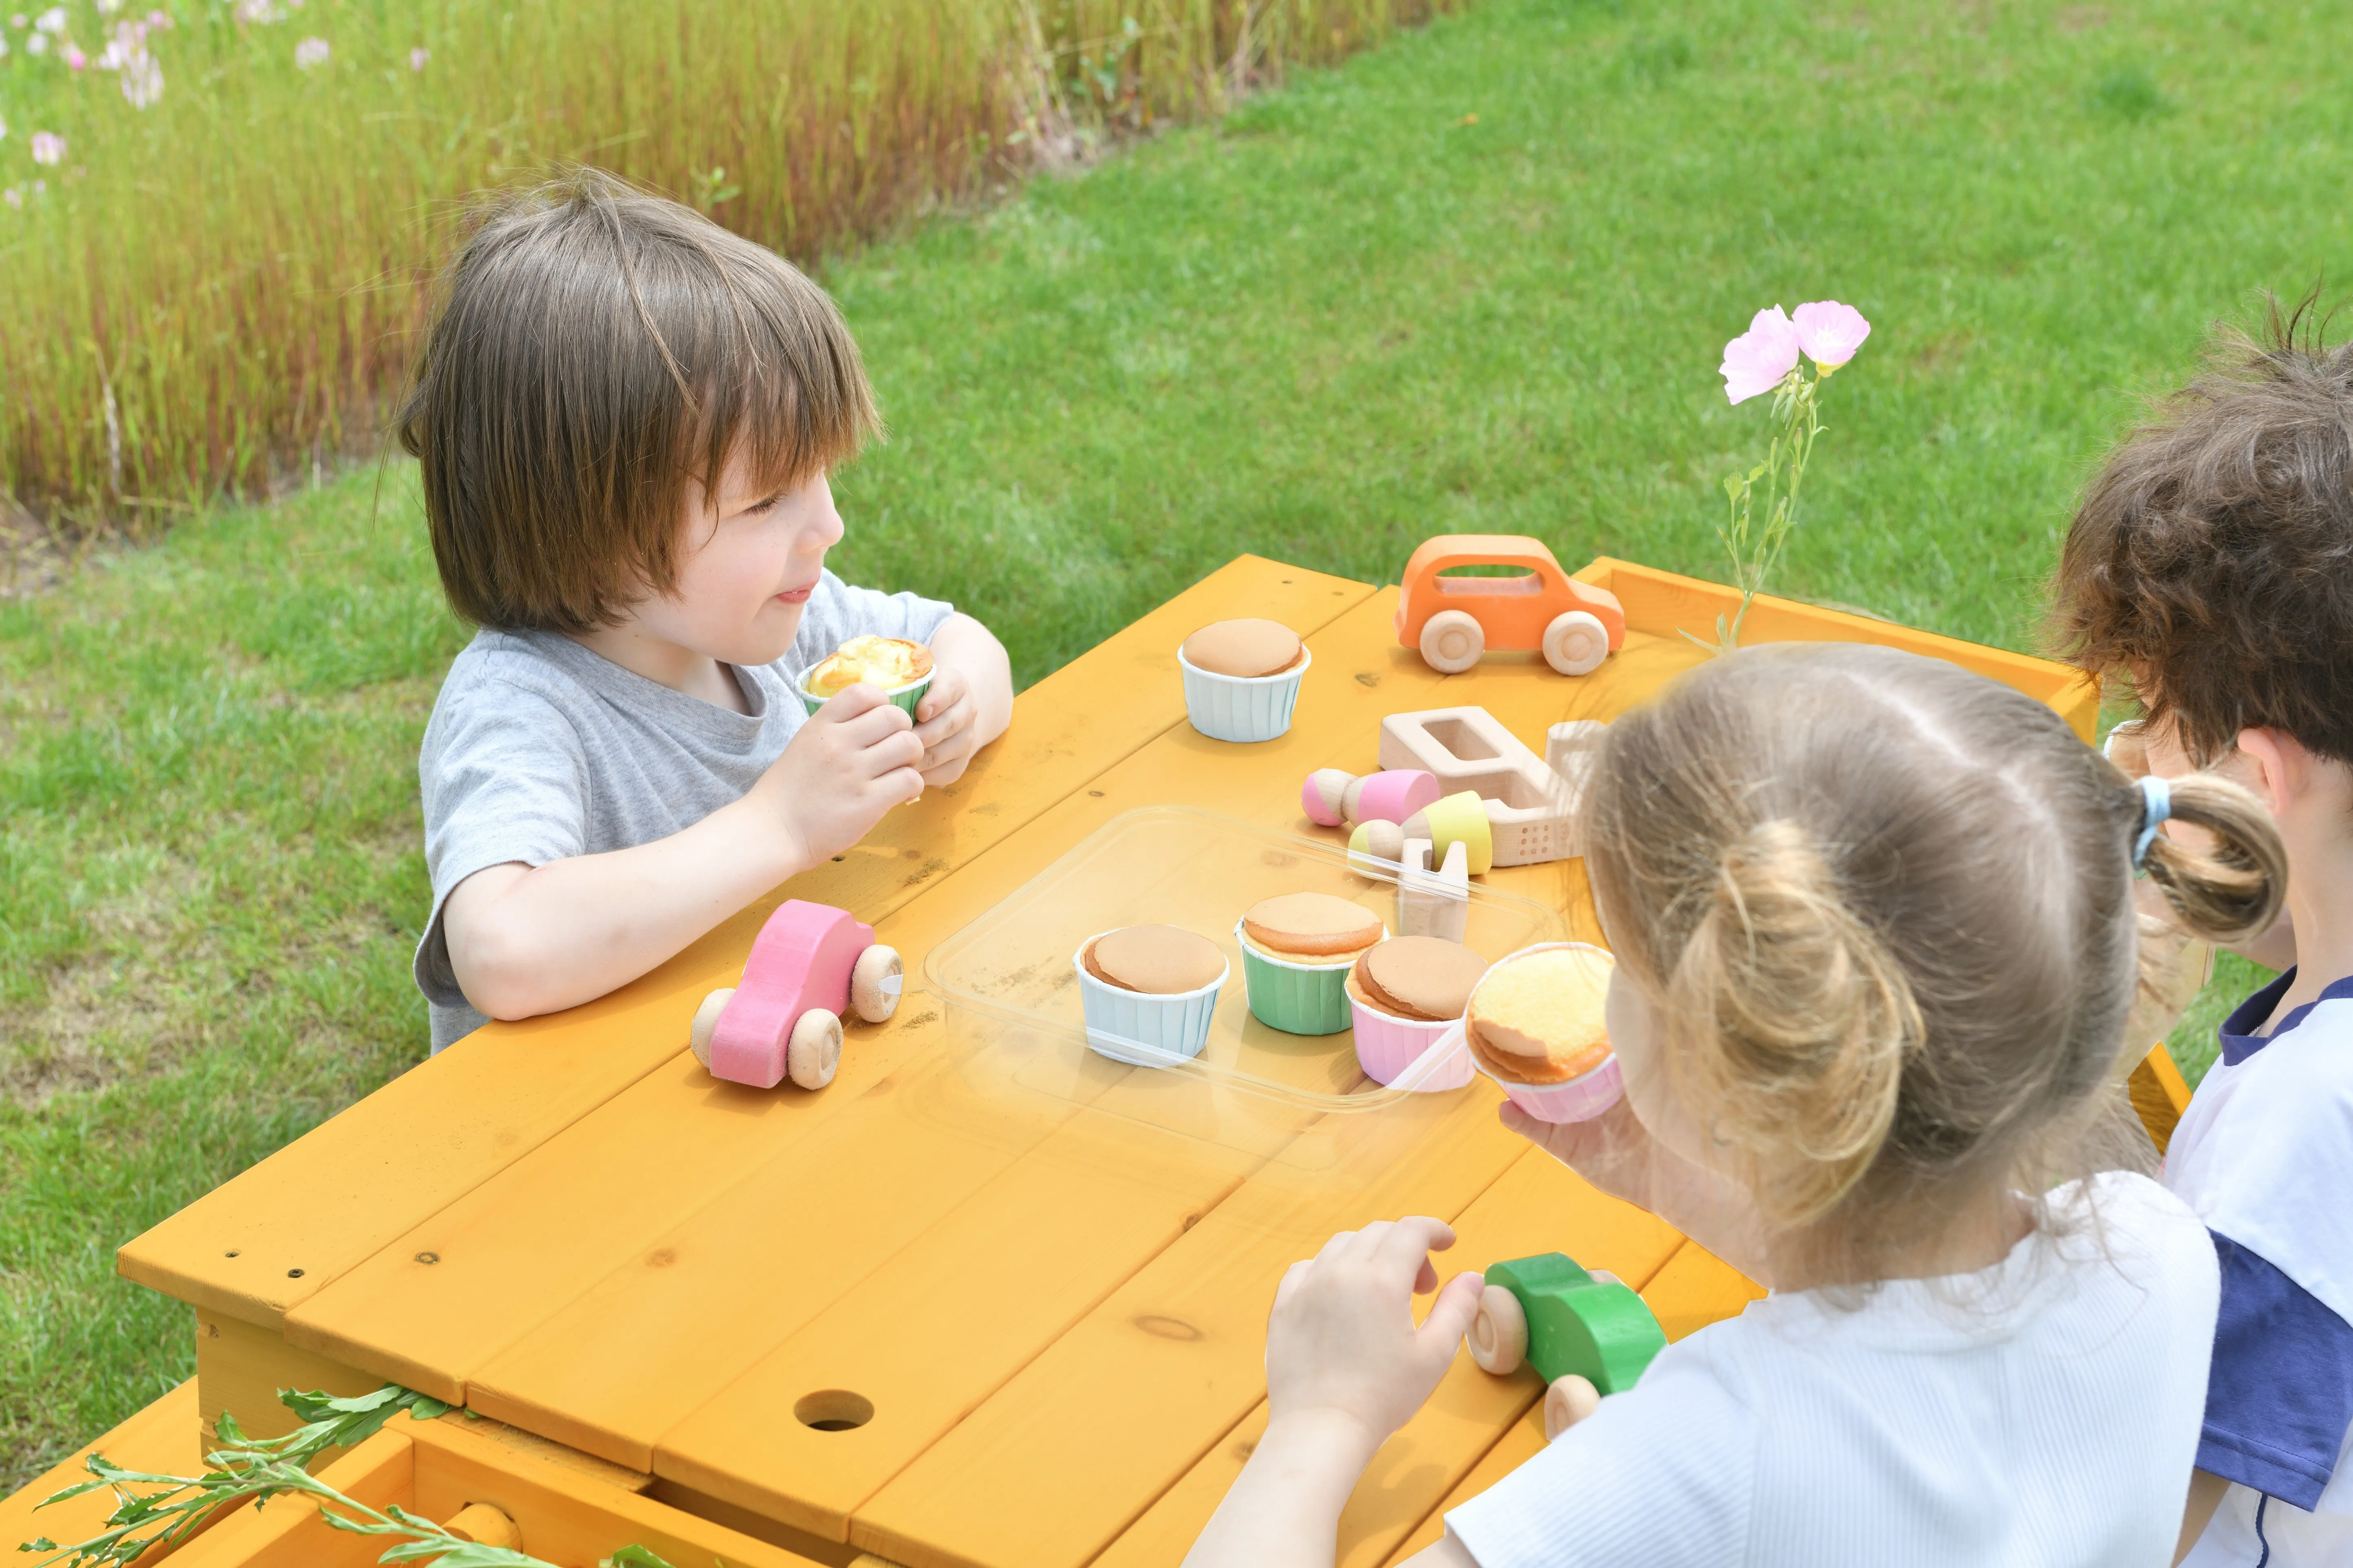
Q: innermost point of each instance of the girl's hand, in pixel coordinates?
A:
(1344, 1367)
(1343, 1353)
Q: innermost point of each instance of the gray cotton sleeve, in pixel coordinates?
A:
(503, 778)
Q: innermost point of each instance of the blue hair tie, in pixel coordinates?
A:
(2156, 804)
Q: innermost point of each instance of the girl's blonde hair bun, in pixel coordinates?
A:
(1887, 908)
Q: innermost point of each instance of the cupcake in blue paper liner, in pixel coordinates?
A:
(1149, 993)
(901, 667)
(1241, 678)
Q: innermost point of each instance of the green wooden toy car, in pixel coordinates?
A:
(1568, 1324)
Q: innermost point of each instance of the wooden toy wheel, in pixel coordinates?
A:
(875, 983)
(1498, 1339)
(1577, 642)
(706, 1019)
(1451, 641)
(815, 1049)
(1568, 1401)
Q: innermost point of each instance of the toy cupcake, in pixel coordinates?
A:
(1241, 678)
(1405, 996)
(1149, 993)
(1297, 951)
(1534, 1024)
(901, 669)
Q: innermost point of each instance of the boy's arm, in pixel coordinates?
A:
(526, 940)
(970, 702)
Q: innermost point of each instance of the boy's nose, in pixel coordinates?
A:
(829, 531)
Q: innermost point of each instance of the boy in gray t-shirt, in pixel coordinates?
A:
(625, 416)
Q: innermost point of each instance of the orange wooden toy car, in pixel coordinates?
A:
(1454, 620)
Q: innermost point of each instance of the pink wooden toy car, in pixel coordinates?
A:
(810, 965)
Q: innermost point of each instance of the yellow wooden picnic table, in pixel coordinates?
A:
(654, 1284)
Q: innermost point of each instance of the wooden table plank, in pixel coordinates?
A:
(1522, 1442)
(1667, 604)
(1062, 1458)
(1538, 1205)
(274, 1236)
(1697, 1287)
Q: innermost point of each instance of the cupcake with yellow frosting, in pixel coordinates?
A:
(901, 669)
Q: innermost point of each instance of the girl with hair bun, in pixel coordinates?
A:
(1876, 945)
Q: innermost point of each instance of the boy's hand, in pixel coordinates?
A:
(1342, 1351)
(854, 760)
(947, 723)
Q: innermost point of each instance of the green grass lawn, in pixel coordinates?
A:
(1479, 279)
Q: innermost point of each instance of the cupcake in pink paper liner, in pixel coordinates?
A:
(1406, 995)
(1534, 1023)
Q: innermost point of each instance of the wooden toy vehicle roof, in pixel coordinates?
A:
(1541, 574)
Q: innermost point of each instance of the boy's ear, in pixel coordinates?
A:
(2281, 765)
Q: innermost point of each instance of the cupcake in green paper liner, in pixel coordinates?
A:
(1297, 951)
(901, 669)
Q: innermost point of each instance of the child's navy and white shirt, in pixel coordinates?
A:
(2039, 1413)
(2264, 1156)
(539, 750)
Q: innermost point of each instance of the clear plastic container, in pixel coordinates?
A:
(1017, 1023)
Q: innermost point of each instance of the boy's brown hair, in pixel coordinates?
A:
(596, 351)
(2211, 562)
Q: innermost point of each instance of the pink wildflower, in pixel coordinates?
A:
(161, 19)
(311, 53)
(1830, 333)
(142, 80)
(1756, 360)
(48, 148)
(15, 196)
(75, 58)
(419, 57)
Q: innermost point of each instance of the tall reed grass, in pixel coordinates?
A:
(218, 226)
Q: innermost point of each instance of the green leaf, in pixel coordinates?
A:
(427, 1409)
(465, 1554)
(634, 1556)
(320, 1405)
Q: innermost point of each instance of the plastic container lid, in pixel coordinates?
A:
(1016, 1015)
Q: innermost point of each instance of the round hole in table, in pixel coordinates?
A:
(833, 1410)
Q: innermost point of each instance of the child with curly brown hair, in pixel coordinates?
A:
(2209, 570)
